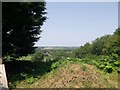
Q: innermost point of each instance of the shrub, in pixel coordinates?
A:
(96, 64)
(38, 56)
(108, 69)
(30, 80)
(102, 66)
(55, 65)
(116, 63)
(114, 56)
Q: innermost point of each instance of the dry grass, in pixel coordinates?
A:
(75, 76)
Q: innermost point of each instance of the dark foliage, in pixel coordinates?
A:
(21, 26)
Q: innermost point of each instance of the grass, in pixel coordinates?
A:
(73, 75)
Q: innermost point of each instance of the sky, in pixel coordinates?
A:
(75, 23)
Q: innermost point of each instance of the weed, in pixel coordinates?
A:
(84, 68)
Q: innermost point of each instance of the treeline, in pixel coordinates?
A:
(105, 45)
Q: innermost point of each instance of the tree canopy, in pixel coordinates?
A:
(21, 26)
(105, 45)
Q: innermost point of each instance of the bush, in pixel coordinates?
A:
(30, 80)
(55, 65)
(114, 56)
(96, 64)
(116, 63)
(102, 66)
(108, 69)
(38, 56)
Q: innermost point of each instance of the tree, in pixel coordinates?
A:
(116, 44)
(21, 26)
(102, 45)
(83, 50)
(105, 45)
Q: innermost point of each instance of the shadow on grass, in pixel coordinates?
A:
(16, 69)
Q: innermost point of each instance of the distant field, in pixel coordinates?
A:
(56, 47)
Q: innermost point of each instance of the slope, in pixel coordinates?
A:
(73, 75)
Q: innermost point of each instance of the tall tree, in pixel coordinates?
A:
(21, 26)
(116, 43)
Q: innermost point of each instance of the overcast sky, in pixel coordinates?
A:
(74, 24)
